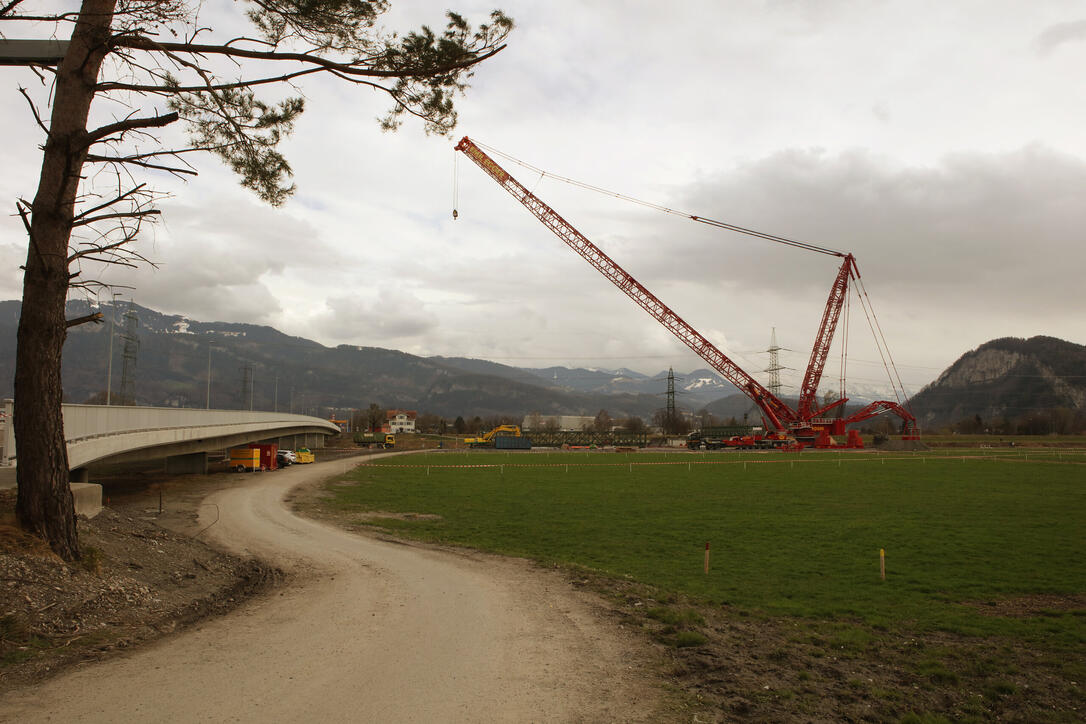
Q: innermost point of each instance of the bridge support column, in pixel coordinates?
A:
(79, 475)
(191, 464)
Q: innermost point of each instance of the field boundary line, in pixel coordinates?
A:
(656, 463)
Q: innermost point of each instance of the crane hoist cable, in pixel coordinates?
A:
(667, 210)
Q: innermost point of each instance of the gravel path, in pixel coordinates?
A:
(369, 631)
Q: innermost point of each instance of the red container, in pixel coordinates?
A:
(268, 454)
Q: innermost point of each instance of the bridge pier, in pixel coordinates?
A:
(191, 464)
(86, 496)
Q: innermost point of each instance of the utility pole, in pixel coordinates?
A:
(246, 387)
(130, 354)
(209, 374)
(109, 364)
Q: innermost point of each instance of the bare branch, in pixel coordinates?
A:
(119, 215)
(96, 318)
(349, 68)
(166, 90)
(22, 207)
(127, 194)
(34, 110)
(142, 164)
(130, 124)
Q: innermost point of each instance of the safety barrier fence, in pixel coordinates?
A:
(1074, 456)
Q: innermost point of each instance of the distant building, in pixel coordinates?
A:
(400, 421)
(568, 423)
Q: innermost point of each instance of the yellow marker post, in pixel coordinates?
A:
(706, 557)
(882, 563)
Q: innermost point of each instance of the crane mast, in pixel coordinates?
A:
(821, 350)
(778, 415)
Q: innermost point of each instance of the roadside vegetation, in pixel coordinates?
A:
(982, 613)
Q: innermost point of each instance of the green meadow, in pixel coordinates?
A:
(789, 534)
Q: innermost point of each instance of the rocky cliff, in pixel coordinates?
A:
(1006, 378)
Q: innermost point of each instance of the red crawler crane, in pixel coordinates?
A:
(806, 421)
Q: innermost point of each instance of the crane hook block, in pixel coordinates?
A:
(455, 214)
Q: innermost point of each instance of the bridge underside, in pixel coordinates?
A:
(148, 445)
(99, 434)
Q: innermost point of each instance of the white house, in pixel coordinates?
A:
(400, 421)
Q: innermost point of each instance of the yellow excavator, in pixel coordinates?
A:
(487, 439)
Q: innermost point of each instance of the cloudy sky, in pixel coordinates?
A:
(941, 143)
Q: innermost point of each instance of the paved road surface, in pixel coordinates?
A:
(370, 631)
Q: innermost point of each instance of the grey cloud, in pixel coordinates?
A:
(1056, 35)
(12, 256)
(1001, 218)
(393, 315)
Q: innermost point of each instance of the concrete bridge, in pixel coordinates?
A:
(115, 434)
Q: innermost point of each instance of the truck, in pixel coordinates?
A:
(381, 440)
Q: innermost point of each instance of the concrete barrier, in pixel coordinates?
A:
(87, 498)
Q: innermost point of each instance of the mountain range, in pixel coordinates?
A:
(259, 366)
(170, 356)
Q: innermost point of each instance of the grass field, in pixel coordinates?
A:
(790, 535)
(982, 615)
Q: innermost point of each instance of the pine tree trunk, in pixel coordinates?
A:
(45, 504)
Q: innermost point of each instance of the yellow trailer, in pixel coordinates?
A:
(304, 455)
(244, 459)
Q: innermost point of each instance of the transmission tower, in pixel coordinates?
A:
(670, 397)
(130, 353)
(246, 391)
(774, 368)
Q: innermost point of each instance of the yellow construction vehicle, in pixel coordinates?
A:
(376, 439)
(487, 439)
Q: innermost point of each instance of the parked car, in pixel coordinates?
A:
(286, 457)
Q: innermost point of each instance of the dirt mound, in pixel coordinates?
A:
(136, 581)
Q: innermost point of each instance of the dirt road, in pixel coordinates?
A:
(368, 631)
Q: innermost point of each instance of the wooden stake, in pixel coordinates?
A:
(707, 557)
(882, 563)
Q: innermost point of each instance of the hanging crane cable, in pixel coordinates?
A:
(667, 210)
(456, 183)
